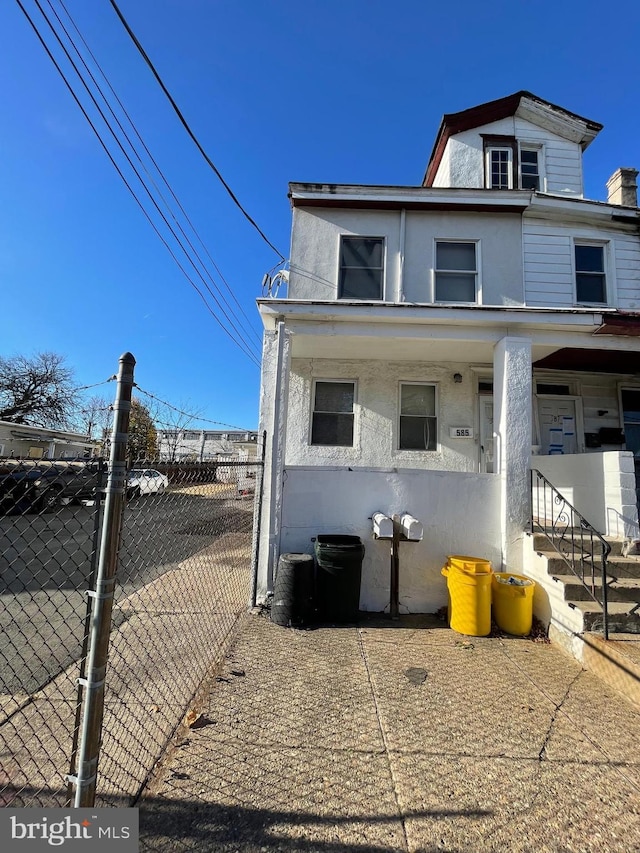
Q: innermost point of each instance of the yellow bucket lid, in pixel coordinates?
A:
(471, 565)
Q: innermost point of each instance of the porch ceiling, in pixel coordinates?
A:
(591, 360)
(400, 349)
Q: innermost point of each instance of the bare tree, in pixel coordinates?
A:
(37, 390)
(95, 418)
(174, 421)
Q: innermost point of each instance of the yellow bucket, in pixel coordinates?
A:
(513, 604)
(469, 587)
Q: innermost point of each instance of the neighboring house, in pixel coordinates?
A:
(202, 445)
(31, 442)
(437, 341)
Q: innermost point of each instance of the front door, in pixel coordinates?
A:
(486, 434)
(557, 420)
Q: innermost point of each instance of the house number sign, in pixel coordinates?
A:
(460, 432)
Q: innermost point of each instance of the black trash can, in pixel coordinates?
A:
(339, 572)
(293, 591)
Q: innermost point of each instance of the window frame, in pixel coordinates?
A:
(312, 407)
(476, 272)
(523, 145)
(435, 416)
(496, 149)
(604, 245)
(382, 268)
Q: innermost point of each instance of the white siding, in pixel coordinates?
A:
(627, 253)
(562, 160)
(548, 266)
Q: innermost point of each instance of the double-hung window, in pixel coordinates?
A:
(456, 272)
(418, 417)
(591, 279)
(529, 169)
(333, 413)
(361, 268)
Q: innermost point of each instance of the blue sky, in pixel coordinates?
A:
(350, 91)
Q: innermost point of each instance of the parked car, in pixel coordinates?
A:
(145, 481)
(47, 488)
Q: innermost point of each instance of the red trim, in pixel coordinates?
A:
(627, 325)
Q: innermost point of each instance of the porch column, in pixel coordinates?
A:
(512, 426)
(274, 387)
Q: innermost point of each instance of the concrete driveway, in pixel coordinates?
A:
(400, 736)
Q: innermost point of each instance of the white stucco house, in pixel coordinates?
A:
(438, 341)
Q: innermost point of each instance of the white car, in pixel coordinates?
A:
(145, 481)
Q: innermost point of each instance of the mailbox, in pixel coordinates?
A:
(411, 527)
(382, 526)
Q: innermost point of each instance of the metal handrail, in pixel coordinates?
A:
(574, 539)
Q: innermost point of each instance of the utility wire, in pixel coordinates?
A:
(132, 146)
(244, 345)
(208, 160)
(149, 154)
(127, 184)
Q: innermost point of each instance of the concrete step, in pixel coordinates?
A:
(623, 616)
(621, 589)
(580, 540)
(617, 567)
(616, 661)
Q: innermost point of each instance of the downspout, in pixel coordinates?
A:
(403, 220)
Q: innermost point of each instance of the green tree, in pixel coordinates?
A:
(143, 438)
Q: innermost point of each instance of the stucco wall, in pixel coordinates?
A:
(376, 420)
(460, 514)
(316, 246)
(601, 486)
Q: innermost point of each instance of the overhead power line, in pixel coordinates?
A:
(150, 156)
(185, 124)
(239, 342)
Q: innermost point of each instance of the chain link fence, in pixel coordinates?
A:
(184, 579)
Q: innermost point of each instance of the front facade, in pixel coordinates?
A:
(437, 340)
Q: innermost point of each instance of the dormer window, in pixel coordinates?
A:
(500, 154)
(500, 168)
(529, 169)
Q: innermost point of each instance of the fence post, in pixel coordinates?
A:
(85, 781)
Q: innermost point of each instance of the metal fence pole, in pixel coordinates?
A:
(85, 781)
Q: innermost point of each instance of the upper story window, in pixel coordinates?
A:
(361, 268)
(456, 272)
(332, 417)
(418, 416)
(591, 279)
(500, 168)
(529, 169)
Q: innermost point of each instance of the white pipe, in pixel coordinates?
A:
(403, 220)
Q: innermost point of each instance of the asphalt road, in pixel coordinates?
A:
(46, 561)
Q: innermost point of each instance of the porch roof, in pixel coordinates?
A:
(438, 333)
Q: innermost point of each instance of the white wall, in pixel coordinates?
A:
(462, 163)
(376, 421)
(460, 514)
(549, 263)
(316, 246)
(601, 486)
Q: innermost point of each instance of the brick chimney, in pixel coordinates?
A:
(622, 188)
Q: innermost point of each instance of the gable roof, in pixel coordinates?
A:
(525, 104)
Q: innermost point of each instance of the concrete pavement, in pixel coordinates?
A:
(400, 736)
